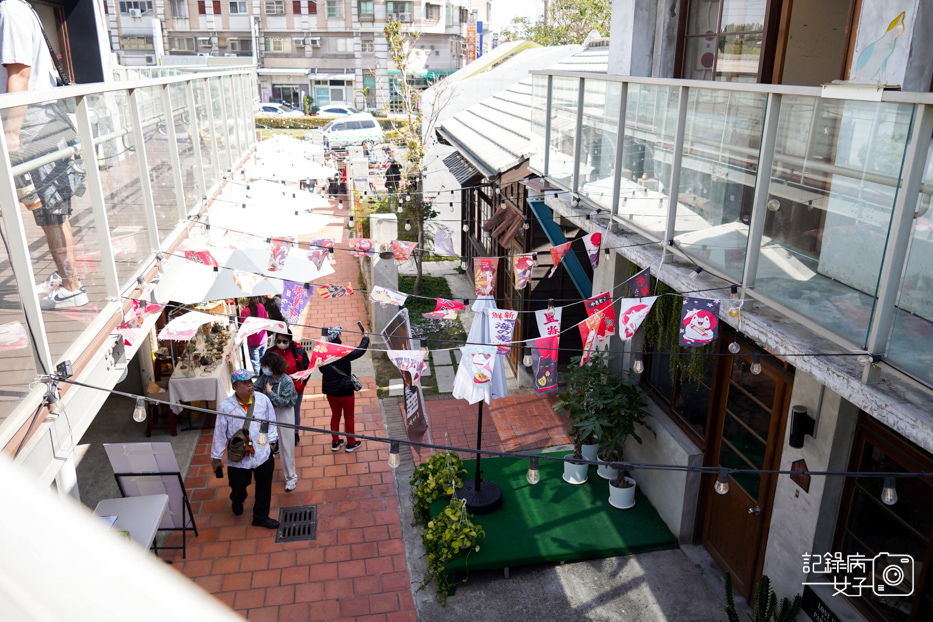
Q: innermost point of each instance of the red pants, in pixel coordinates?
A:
(338, 406)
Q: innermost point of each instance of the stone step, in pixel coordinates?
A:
(396, 388)
(445, 378)
(441, 357)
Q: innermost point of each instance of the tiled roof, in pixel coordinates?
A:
(459, 167)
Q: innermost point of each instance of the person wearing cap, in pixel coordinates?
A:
(260, 464)
(337, 386)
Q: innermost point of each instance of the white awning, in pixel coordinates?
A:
(331, 76)
(282, 71)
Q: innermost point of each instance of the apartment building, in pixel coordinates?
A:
(332, 50)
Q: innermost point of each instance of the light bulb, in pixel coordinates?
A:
(638, 366)
(550, 306)
(216, 273)
(774, 205)
(734, 347)
(696, 272)
(525, 225)
(139, 413)
(866, 359)
(533, 476)
(734, 311)
(351, 220)
(722, 482)
(408, 197)
(263, 439)
(526, 361)
(466, 228)
(502, 205)
(340, 204)
(394, 459)
(424, 345)
(607, 253)
(497, 190)
(889, 493)
(55, 405)
(463, 265)
(756, 364)
(407, 224)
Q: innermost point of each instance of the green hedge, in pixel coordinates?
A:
(309, 123)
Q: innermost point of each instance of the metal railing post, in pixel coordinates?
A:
(195, 138)
(142, 161)
(578, 138)
(547, 125)
(620, 142)
(212, 130)
(895, 252)
(95, 191)
(756, 225)
(676, 159)
(177, 177)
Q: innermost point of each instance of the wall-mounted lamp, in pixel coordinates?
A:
(801, 424)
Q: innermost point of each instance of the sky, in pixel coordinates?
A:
(504, 10)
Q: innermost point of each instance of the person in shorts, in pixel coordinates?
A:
(34, 131)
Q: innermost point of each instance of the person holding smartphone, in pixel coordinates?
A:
(337, 385)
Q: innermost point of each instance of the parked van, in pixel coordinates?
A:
(354, 129)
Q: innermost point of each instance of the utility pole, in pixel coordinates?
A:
(545, 12)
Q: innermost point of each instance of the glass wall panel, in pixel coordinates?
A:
(833, 184)
(563, 129)
(911, 344)
(220, 122)
(538, 119)
(599, 138)
(208, 156)
(185, 146)
(158, 156)
(717, 177)
(650, 123)
(61, 234)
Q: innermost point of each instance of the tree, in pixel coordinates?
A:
(568, 21)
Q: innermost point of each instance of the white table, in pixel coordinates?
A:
(140, 516)
(215, 386)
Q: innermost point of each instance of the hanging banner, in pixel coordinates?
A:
(128, 329)
(444, 243)
(522, 266)
(201, 257)
(557, 253)
(335, 291)
(640, 284)
(483, 359)
(319, 250)
(445, 310)
(544, 363)
(322, 353)
(386, 296)
(501, 326)
(603, 302)
(362, 247)
(247, 280)
(589, 331)
(279, 253)
(253, 325)
(184, 327)
(471, 43)
(295, 297)
(592, 243)
(699, 321)
(397, 336)
(402, 250)
(484, 275)
(410, 363)
(632, 313)
(549, 321)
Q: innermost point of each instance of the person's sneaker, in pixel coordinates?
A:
(291, 487)
(297, 438)
(353, 445)
(49, 285)
(63, 298)
(336, 446)
(237, 508)
(268, 523)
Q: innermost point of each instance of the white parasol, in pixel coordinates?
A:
(464, 386)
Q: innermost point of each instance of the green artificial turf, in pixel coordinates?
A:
(555, 521)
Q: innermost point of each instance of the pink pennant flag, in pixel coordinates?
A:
(522, 266)
(322, 353)
(409, 361)
(445, 310)
(247, 280)
(201, 257)
(557, 253)
(589, 331)
(385, 296)
(403, 250)
(279, 254)
(632, 312)
(592, 242)
(130, 328)
(319, 250)
(335, 291)
(253, 325)
(362, 247)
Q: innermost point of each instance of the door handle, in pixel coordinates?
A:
(755, 510)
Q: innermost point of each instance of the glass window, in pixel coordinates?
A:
(239, 45)
(181, 44)
(563, 130)
(137, 43)
(365, 8)
(216, 7)
(339, 44)
(143, 6)
(202, 7)
(367, 125)
(432, 12)
(367, 45)
(726, 47)
(599, 139)
(275, 7)
(334, 9)
(278, 44)
(312, 7)
(354, 125)
(396, 7)
(179, 8)
(238, 8)
(449, 18)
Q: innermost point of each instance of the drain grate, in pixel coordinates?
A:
(298, 523)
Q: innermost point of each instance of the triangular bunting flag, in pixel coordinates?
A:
(544, 363)
(295, 297)
(402, 250)
(322, 353)
(632, 313)
(640, 284)
(363, 247)
(699, 323)
(603, 303)
(409, 362)
(279, 253)
(335, 291)
(522, 265)
(592, 243)
(589, 331)
(385, 296)
(445, 310)
(557, 253)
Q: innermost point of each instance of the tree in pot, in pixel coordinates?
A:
(628, 413)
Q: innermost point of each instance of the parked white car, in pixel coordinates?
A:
(336, 110)
(277, 110)
(352, 130)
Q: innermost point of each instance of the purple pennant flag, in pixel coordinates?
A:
(443, 243)
(699, 323)
(295, 297)
(319, 250)
(640, 284)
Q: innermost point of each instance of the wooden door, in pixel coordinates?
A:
(748, 434)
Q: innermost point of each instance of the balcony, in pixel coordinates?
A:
(150, 152)
(817, 203)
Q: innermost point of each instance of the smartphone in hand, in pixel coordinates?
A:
(362, 328)
(219, 472)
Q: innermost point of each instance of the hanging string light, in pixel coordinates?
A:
(533, 476)
(722, 482)
(756, 364)
(696, 272)
(889, 492)
(139, 413)
(394, 459)
(263, 439)
(407, 224)
(638, 366)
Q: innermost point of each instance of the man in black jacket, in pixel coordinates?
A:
(337, 385)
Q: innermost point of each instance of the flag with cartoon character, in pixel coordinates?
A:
(322, 353)
(402, 250)
(640, 284)
(385, 296)
(278, 253)
(484, 275)
(335, 291)
(589, 331)
(445, 310)
(632, 312)
(544, 363)
(592, 243)
(443, 242)
(202, 257)
(557, 253)
(699, 323)
(362, 247)
(522, 265)
(295, 297)
(319, 250)
(603, 302)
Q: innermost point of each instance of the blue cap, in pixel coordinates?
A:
(241, 374)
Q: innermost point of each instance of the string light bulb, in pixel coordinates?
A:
(734, 310)
(525, 225)
(638, 366)
(466, 227)
(889, 492)
(734, 347)
(407, 224)
(263, 439)
(463, 265)
(526, 360)
(550, 306)
(424, 345)
(533, 476)
(866, 359)
(139, 413)
(734, 292)
(351, 220)
(756, 364)
(696, 272)
(394, 459)
(722, 482)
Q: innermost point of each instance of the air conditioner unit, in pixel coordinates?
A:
(298, 42)
(392, 17)
(135, 13)
(404, 17)
(314, 42)
(150, 59)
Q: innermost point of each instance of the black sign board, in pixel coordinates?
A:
(814, 607)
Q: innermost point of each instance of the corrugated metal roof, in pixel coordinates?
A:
(458, 166)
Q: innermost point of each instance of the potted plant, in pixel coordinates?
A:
(629, 414)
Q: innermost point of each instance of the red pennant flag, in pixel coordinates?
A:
(445, 310)
(557, 253)
(202, 257)
(484, 275)
(589, 330)
(603, 302)
(402, 250)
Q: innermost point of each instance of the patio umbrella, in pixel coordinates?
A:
(279, 144)
(482, 497)
(288, 169)
(185, 326)
(265, 221)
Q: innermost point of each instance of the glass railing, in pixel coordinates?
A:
(100, 181)
(798, 207)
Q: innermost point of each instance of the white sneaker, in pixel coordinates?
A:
(63, 298)
(49, 285)
(291, 487)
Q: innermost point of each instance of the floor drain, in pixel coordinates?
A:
(298, 523)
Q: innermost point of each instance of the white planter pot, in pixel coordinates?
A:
(590, 451)
(622, 498)
(607, 472)
(575, 473)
